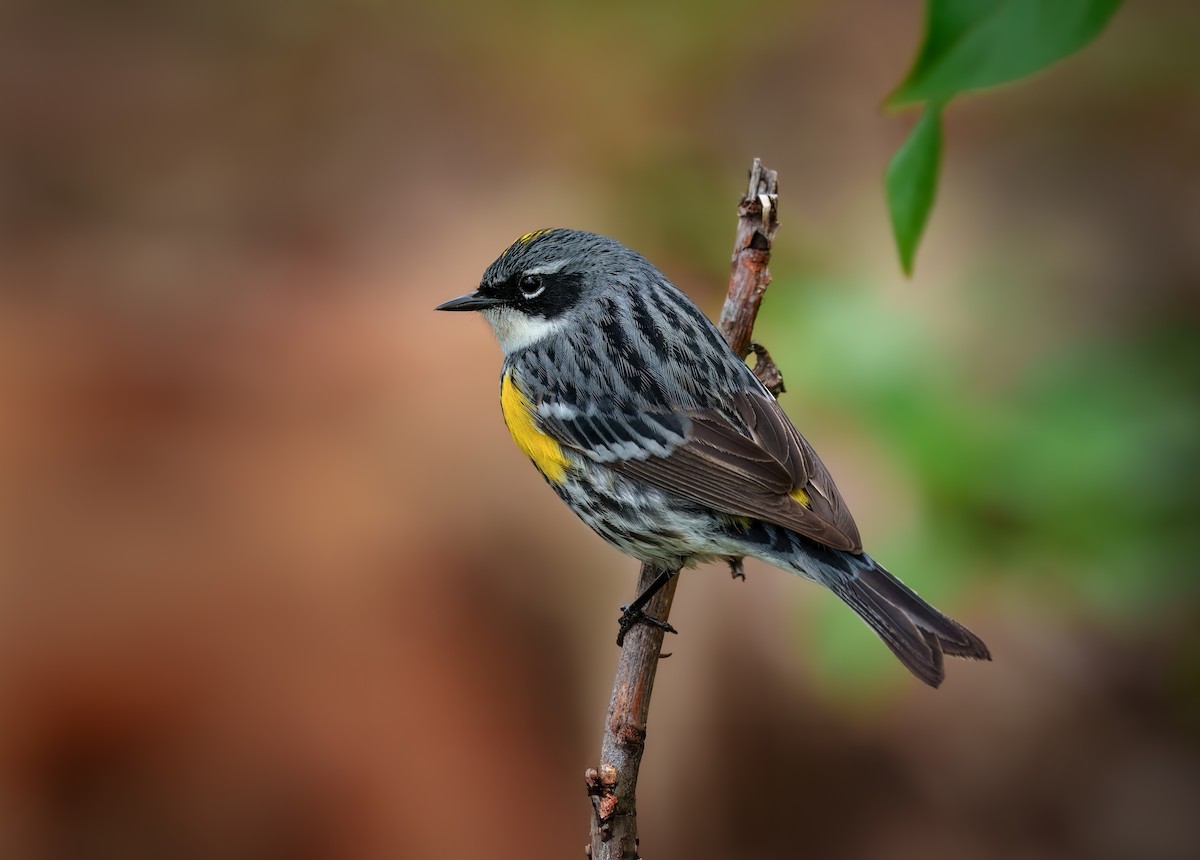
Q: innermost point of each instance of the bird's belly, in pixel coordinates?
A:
(646, 523)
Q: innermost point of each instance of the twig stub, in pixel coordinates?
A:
(766, 370)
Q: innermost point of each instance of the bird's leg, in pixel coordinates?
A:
(736, 569)
(634, 613)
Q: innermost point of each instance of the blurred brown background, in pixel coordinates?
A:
(274, 582)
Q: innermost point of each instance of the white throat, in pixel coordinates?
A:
(515, 330)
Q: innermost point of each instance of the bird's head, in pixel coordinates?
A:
(546, 281)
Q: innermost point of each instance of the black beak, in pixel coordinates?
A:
(469, 302)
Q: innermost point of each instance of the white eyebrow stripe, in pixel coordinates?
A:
(546, 268)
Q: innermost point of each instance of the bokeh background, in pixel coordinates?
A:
(274, 582)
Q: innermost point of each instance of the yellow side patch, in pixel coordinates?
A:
(801, 497)
(545, 453)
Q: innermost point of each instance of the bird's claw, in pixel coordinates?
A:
(736, 569)
(631, 617)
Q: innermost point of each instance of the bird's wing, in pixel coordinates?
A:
(748, 462)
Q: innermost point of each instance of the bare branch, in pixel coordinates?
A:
(612, 786)
(758, 219)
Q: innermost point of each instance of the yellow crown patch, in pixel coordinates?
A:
(526, 239)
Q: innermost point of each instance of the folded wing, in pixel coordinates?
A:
(746, 460)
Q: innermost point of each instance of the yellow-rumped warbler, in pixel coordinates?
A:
(662, 440)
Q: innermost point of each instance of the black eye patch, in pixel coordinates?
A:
(538, 294)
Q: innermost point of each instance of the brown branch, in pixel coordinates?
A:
(612, 785)
(758, 219)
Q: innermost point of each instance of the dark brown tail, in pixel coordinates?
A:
(916, 632)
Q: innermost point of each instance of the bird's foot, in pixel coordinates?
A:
(736, 569)
(631, 616)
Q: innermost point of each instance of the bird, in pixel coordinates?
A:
(637, 413)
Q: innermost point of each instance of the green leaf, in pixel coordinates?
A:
(911, 183)
(971, 44)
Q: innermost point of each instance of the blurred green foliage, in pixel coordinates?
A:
(1069, 476)
(969, 45)
(911, 183)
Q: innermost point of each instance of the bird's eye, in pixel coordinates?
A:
(531, 286)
